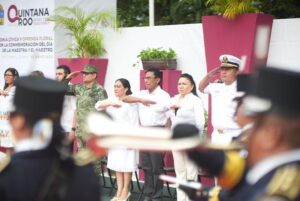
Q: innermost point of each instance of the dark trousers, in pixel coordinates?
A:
(152, 164)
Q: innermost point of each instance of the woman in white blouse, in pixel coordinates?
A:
(6, 104)
(121, 160)
(187, 108)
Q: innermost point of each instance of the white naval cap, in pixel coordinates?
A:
(229, 61)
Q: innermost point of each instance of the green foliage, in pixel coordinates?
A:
(84, 29)
(188, 11)
(205, 130)
(281, 8)
(133, 13)
(136, 12)
(232, 8)
(157, 53)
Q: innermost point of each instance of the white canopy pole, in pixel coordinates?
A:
(151, 12)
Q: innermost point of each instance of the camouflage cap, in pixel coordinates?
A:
(90, 69)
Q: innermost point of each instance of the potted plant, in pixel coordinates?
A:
(234, 30)
(87, 40)
(230, 9)
(158, 58)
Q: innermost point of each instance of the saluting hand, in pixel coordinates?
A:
(213, 73)
(73, 74)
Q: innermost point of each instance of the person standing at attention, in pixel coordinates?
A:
(123, 161)
(187, 109)
(87, 94)
(69, 107)
(154, 115)
(6, 99)
(223, 106)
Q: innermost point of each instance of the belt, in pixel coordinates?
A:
(160, 126)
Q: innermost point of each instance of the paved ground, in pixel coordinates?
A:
(108, 191)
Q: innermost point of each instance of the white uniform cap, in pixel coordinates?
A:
(229, 61)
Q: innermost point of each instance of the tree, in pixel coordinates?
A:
(188, 11)
(281, 8)
(133, 13)
(136, 12)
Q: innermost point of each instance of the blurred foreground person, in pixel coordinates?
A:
(273, 143)
(41, 169)
(272, 168)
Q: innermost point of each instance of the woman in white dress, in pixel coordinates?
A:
(6, 104)
(187, 108)
(121, 160)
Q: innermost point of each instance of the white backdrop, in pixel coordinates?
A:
(28, 43)
(187, 41)
(124, 46)
(61, 41)
(285, 44)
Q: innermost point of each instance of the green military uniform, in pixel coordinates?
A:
(85, 103)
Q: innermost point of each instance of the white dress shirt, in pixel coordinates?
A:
(156, 114)
(190, 111)
(223, 106)
(69, 107)
(127, 113)
(6, 106)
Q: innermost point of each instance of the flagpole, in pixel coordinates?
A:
(151, 12)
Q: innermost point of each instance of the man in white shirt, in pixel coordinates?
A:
(223, 93)
(69, 105)
(152, 115)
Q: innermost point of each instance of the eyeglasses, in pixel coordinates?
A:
(8, 75)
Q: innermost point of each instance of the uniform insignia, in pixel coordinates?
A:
(4, 162)
(214, 193)
(284, 185)
(224, 59)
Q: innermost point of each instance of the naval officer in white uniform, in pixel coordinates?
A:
(223, 92)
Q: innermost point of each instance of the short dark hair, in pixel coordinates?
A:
(66, 69)
(37, 73)
(156, 72)
(125, 84)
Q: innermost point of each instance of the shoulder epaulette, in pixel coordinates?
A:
(214, 193)
(84, 157)
(285, 183)
(4, 162)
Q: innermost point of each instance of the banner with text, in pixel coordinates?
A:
(26, 37)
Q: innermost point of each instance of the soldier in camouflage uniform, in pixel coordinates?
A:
(87, 95)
